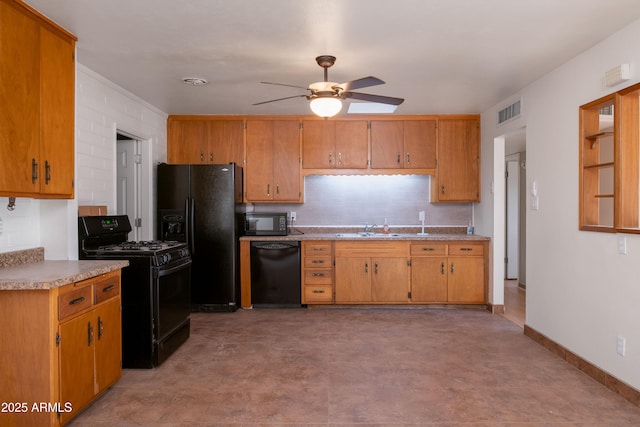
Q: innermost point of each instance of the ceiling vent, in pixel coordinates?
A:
(617, 75)
(509, 112)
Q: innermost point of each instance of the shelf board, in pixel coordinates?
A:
(599, 135)
(600, 165)
(604, 196)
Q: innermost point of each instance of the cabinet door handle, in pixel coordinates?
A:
(76, 301)
(376, 267)
(452, 268)
(201, 157)
(277, 190)
(89, 334)
(398, 159)
(268, 189)
(47, 172)
(366, 267)
(330, 157)
(100, 328)
(442, 268)
(339, 159)
(408, 158)
(34, 171)
(442, 190)
(211, 157)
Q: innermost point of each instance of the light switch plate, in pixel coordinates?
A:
(622, 245)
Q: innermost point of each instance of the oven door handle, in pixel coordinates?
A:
(160, 272)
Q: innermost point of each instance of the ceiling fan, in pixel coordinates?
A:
(325, 96)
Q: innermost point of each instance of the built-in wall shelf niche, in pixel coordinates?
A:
(609, 162)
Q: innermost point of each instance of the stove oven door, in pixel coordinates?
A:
(171, 308)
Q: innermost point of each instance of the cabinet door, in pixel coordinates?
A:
(387, 144)
(466, 280)
(458, 175)
(429, 279)
(353, 279)
(286, 160)
(259, 168)
(76, 361)
(352, 144)
(108, 344)
(318, 144)
(390, 280)
(57, 89)
(19, 124)
(187, 142)
(225, 142)
(420, 144)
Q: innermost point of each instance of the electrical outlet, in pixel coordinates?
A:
(621, 346)
(292, 215)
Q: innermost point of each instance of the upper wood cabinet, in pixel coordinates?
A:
(272, 171)
(205, 140)
(403, 144)
(330, 144)
(458, 172)
(37, 79)
(609, 162)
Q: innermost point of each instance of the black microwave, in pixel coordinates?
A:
(265, 224)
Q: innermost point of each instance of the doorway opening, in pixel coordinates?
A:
(129, 182)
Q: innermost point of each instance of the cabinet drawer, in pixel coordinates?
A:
(472, 249)
(106, 289)
(74, 302)
(318, 277)
(427, 249)
(313, 249)
(318, 293)
(317, 262)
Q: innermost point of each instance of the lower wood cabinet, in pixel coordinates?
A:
(447, 273)
(372, 272)
(317, 272)
(61, 348)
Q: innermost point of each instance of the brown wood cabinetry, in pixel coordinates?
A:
(371, 272)
(403, 144)
(272, 171)
(458, 172)
(205, 140)
(60, 346)
(609, 167)
(331, 144)
(317, 272)
(37, 79)
(447, 273)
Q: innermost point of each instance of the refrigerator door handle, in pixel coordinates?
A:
(192, 226)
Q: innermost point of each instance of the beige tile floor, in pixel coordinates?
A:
(359, 367)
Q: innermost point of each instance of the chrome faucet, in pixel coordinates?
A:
(368, 228)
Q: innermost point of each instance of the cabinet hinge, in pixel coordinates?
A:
(57, 339)
(137, 222)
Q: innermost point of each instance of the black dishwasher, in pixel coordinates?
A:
(275, 274)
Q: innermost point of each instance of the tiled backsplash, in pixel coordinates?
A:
(355, 200)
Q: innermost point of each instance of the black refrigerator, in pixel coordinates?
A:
(202, 206)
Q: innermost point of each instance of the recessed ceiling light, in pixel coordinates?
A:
(194, 81)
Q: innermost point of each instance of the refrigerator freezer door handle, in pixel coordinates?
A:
(192, 226)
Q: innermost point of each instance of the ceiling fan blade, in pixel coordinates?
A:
(360, 83)
(373, 98)
(279, 99)
(283, 84)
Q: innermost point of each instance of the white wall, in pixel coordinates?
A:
(101, 108)
(580, 292)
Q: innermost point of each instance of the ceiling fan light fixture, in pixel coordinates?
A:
(194, 81)
(326, 107)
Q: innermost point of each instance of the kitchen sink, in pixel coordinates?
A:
(366, 235)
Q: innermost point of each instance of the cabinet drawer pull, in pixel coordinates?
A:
(428, 249)
(318, 274)
(466, 249)
(317, 261)
(108, 288)
(76, 301)
(318, 291)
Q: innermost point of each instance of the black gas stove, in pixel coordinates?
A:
(156, 288)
